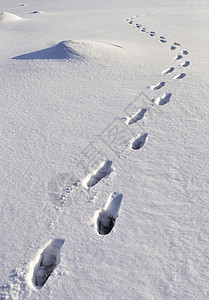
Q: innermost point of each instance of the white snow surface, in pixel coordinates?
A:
(83, 83)
(8, 17)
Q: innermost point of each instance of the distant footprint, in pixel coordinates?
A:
(164, 99)
(138, 26)
(169, 70)
(173, 47)
(185, 64)
(152, 33)
(162, 37)
(105, 218)
(37, 12)
(179, 76)
(130, 22)
(157, 86)
(177, 44)
(139, 142)
(163, 41)
(49, 259)
(143, 29)
(136, 117)
(178, 57)
(93, 178)
(185, 52)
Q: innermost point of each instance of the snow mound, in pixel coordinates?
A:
(8, 17)
(72, 50)
(65, 50)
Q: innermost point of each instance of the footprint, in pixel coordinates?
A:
(179, 76)
(162, 37)
(185, 64)
(93, 178)
(169, 70)
(139, 142)
(105, 218)
(173, 47)
(130, 22)
(163, 41)
(143, 29)
(177, 44)
(185, 52)
(152, 33)
(178, 57)
(37, 12)
(138, 26)
(157, 86)
(164, 99)
(136, 117)
(49, 258)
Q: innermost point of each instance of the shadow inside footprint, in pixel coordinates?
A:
(169, 70)
(139, 142)
(105, 223)
(180, 76)
(178, 57)
(164, 99)
(157, 86)
(185, 64)
(185, 52)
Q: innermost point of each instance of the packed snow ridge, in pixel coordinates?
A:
(8, 17)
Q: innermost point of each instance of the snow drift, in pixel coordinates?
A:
(8, 17)
(63, 50)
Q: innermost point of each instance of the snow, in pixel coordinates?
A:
(104, 149)
(8, 17)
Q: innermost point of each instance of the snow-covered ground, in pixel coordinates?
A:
(104, 149)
